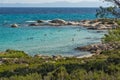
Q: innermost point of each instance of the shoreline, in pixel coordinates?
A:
(55, 57)
(85, 56)
(97, 24)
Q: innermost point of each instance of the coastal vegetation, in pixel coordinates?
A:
(18, 65)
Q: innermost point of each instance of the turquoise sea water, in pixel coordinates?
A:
(46, 40)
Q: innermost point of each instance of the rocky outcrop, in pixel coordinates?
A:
(98, 24)
(98, 48)
(73, 23)
(58, 21)
(14, 25)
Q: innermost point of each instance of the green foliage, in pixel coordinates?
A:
(33, 76)
(17, 65)
(112, 36)
(61, 74)
(115, 59)
(106, 12)
(79, 74)
(109, 11)
(13, 54)
(69, 69)
(118, 21)
(105, 66)
(83, 75)
(115, 2)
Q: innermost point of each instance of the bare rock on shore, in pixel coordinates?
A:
(14, 25)
(98, 48)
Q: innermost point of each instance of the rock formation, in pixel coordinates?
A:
(98, 48)
(14, 25)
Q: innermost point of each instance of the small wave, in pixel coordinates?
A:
(30, 21)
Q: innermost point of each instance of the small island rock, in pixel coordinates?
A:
(14, 25)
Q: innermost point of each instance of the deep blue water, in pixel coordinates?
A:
(24, 14)
(47, 10)
(46, 40)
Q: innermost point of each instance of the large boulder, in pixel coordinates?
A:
(59, 21)
(14, 25)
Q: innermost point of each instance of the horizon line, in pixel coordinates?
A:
(48, 7)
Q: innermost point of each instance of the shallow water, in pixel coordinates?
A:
(45, 39)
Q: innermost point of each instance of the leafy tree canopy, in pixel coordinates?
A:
(113, 10)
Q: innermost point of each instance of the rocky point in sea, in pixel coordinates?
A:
(98, 48)
(97, 24)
